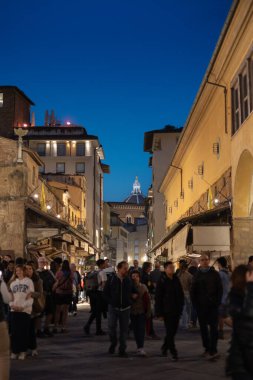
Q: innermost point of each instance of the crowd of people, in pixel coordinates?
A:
(36, 299)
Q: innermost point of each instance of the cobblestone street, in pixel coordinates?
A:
(75, 356)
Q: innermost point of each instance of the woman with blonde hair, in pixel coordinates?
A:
(21, 308)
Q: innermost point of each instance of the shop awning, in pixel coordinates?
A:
(179, 242)
(157, 249)
(211, 238)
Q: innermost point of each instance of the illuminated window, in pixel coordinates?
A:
(80, 167)
(80, 149)
(1, 99)
(60, 167)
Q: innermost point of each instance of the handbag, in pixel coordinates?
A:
(39, 304)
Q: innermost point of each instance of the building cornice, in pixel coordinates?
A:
(203, 98)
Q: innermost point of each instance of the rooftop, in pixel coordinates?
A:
(136, 196)
(148, 136)
(15, 88)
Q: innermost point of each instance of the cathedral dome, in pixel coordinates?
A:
(136, 196)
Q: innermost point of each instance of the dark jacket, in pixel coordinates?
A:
(2, 314)
(206, 290)
(119, 293)
(169, 296)
(240, 357)
(146, 279)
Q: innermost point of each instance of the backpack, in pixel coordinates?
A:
(91, 281)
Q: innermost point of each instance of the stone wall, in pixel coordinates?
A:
(242, 240)
(12, 226)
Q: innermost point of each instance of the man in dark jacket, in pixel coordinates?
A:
(206, 295)
(169, 302)
(119, 293)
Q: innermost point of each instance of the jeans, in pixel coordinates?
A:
(123, 317)
(4, 352)
(20, 325)
(171, 323)
(32, 345)
(74, 302)
(208, 322)
(138, 323)
(185, 319)
(96, 304)
(194, 316)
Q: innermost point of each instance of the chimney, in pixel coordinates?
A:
(52, 119)
(33, 119)
(46, 119)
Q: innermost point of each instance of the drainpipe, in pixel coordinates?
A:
(225, 100)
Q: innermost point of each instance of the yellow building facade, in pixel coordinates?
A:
(212, 168)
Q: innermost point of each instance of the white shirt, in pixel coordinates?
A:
(20, 290)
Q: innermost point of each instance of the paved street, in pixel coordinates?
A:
(74, 356)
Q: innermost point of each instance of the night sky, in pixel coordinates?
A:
(117, 67)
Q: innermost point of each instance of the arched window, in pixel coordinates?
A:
(129, 218)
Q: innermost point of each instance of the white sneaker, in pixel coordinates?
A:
(22, 356)
(142, 353)
(14, 356)
(35, 353)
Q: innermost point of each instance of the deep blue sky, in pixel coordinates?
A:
(118, 67)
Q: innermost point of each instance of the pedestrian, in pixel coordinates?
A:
(169, 303)
(146, 279)
(193, 269)
(5, 298)
(57, 264)
(140, 310)
(185, 279)
(109, 270)
(8, 273)
(119, 293)
(206, 295)
(95, 282)
(225, 280)
(239, 364)
(135, 267)
(37, 307)
(76, 289)
(48, 280)
(63, 288)
(156, 273)
(21, 308)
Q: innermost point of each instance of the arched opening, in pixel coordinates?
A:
(243, 188)
(129, 219)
